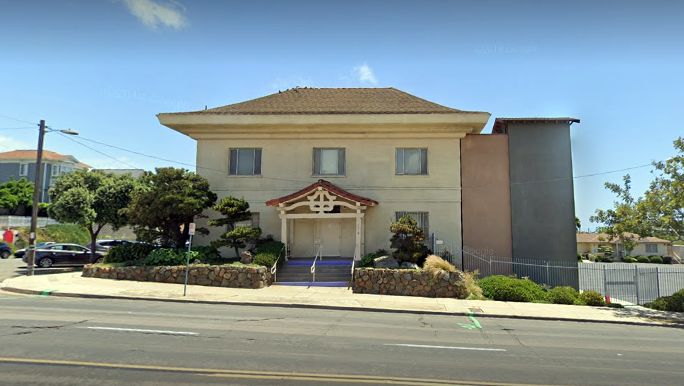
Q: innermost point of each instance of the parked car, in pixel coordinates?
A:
(5, 251)
(63, 254)
(44, 244)
(105, 245)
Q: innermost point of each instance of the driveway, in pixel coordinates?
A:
(15, 267)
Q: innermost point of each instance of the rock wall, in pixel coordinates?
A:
(208, 275)
(409, 282)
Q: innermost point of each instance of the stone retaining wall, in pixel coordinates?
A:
(209, 275)
(409, 282)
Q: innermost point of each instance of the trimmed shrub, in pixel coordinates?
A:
(673, 303)
(592, 298)
(563, 295)
(655, 259)
(604, 259)
(207, 254)
(435, 262)
(667, 259)
(367, 260)
(629, 259)
(169, 256)
(642, 259)
(269, 246)
(505, 288)
(266, 259)
(128, 252)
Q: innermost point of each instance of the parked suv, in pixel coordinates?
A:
(5, 251)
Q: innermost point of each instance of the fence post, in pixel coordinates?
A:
(658, 281)
(636, 282)
(548, 278)
(605, 282)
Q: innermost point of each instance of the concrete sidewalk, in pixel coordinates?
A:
(73, 285)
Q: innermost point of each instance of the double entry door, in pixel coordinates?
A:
(335, 237)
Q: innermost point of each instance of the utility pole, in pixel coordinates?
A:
(37, 191)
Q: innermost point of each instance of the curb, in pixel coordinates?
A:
(342, 308)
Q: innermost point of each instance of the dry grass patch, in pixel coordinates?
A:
(434, 262)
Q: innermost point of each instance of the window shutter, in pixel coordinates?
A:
(423, 161)
(317, 161)
(257, 161)
(233, 162)
(340, 162)
(400, 161)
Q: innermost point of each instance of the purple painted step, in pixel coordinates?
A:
(316, 284)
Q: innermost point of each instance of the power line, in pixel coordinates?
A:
(18, 120)
(16, 128)
(98, 151)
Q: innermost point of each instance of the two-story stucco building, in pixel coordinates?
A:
(334, 167)
(17, 164)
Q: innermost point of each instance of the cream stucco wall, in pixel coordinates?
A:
(664, 249)
(370, 172)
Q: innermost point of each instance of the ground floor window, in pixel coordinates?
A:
(422, 218)
(252, 222)
(651, 248)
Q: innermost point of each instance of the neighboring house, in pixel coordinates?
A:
(334, 167)
(135, 173)
(19, 164)
(645, 246)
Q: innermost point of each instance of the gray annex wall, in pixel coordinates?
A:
(542, 197)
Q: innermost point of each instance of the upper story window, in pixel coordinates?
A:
(55, 171)
(245, 162)
(651, 248)
(411, 161)
(328, 162)
(23, 169)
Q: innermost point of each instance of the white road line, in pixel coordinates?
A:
(162, 332)
(445, 347)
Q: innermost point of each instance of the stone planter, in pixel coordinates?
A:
(409, 282)
(207, 275)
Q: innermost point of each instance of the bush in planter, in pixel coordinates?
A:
(506, 288)
(265, 259)
(128, 252)
(563, 295)
(207, 254)
(604, 259)
(592, 298)
(269, 246)
(629, 259)
(642, 259)
(435, 262)
(367, 260)
(655, 259)
(169, 256)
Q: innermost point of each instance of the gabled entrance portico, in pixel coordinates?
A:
(329, 218)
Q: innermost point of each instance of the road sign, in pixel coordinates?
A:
(191, 229)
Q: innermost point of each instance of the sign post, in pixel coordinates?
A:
(191, 232)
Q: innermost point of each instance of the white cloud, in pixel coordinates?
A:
(154, 13)
(8, 143)
(365, 74)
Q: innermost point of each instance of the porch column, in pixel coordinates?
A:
(283, 230)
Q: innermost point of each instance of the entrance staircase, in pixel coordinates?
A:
(330, 272)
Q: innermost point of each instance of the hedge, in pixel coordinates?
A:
(506, 288)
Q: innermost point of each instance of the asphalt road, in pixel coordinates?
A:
(69, 341)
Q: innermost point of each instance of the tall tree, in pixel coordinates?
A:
(234, 210)
(16, 194)
(624, 218)
(166, 202)
(663, 204)
(91, 199)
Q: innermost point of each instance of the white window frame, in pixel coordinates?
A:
(55, 170)
(234, 167)
(341, 161)
(23, 169)
(400, 161)
(253, 221)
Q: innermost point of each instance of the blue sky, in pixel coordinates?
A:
(105, 68)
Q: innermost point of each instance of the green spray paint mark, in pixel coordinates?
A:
(473, 325)
(46, 292)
